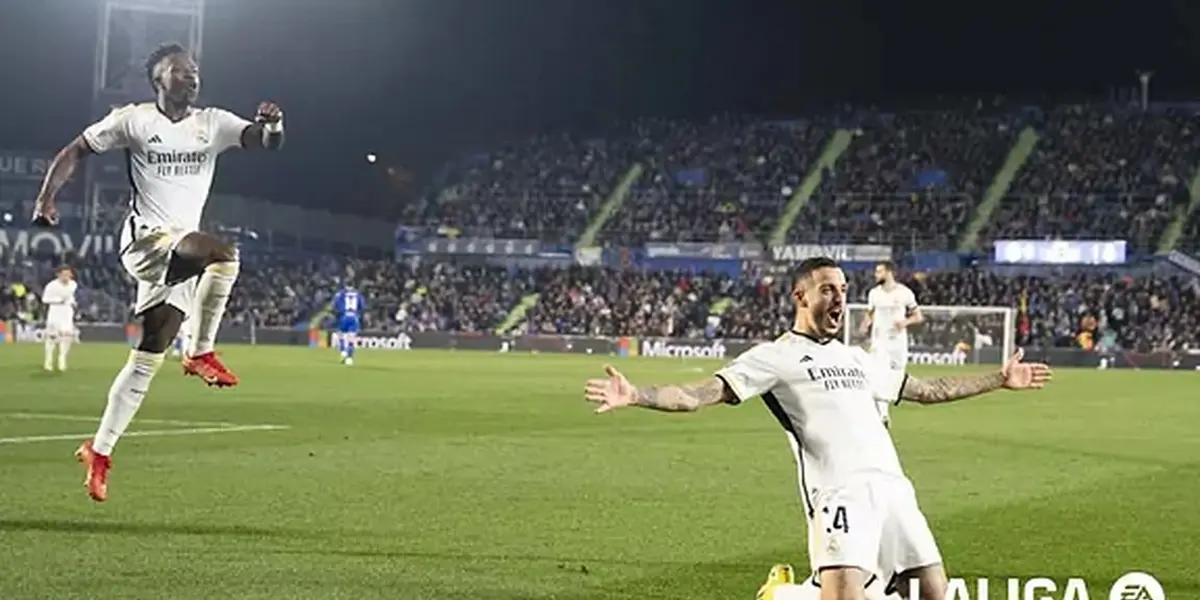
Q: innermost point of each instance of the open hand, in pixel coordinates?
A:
(1025, 376)
(612, 392)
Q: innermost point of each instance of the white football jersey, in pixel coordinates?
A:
(171, 164)
(887, 307)
(823, 393)
(59, 299)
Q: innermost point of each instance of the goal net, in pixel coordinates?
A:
(950, 335)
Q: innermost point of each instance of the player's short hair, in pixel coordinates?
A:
(889, 265)
(62, 268)
(156, 57)
(809, 265)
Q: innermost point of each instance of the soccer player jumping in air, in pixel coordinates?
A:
(172, 148)
(863, 520)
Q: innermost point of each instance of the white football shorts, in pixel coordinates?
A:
(146, 254)
(60, 327)
(894, 355)
(873, 524)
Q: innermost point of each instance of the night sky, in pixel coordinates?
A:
(421, 80)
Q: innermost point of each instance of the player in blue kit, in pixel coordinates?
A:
(348, 305)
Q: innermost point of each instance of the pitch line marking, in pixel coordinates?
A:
(28, 416)
(29, 439)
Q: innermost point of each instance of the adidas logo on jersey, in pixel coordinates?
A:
(154, 139)
(806, 358)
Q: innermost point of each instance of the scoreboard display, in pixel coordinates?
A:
(1060, 252)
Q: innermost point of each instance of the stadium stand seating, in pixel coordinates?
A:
(1143, 314)
(914, 180)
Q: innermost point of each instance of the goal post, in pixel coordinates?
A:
(950, 335)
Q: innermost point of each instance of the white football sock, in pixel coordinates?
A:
(212, 295)
(64, 348)
(48, 363)
(125, 397)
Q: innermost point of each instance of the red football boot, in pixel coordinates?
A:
(209, 368)
(97, 466)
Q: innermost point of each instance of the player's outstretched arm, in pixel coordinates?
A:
(1014, 375)
(615, 391)
(59, 174)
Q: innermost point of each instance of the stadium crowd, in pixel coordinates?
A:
(914, 179)
(1088, 310)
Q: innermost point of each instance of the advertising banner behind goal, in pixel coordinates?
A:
(950, 335)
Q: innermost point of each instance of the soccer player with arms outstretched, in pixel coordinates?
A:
(891, 309)
(59, 298)
(172, 148)
(863, 520)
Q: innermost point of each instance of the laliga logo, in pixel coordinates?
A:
(1130, 586)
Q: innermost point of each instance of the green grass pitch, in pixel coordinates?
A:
(485, 476)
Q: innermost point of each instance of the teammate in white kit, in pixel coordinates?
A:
(863, 520)
(172, 148)
(59, 298)
(891, 309)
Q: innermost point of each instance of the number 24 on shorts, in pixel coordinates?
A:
(840, 523)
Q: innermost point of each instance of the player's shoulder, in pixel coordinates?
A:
(793, 344)
(126, 112)
(214, 114)
(140, 110)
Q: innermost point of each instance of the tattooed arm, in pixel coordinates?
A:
(684, 398)
(731, 385)
(948, 389)
(1015, 375)
(751, 374)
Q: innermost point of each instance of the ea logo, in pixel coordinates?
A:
(1137, 586)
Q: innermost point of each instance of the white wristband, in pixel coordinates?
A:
(274, 128)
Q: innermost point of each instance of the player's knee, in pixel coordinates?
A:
(160, 325)
(205, 249)
(224, 253)
(843, 583)
(154, 342)
(225, 268)
(930, 583)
